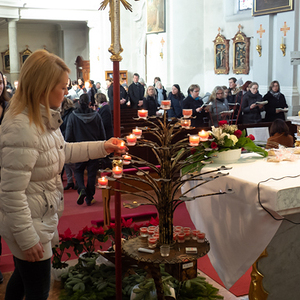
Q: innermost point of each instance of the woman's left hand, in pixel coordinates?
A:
(113, 145)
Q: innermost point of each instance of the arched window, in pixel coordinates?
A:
(245, 4)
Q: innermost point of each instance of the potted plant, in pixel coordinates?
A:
(60, 256)
(84, 243)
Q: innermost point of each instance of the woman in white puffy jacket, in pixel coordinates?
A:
(33, 152)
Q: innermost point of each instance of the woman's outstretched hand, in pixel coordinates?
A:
(113, 145)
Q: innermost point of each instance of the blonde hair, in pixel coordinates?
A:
(39, 75)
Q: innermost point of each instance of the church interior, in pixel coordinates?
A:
(181, 42)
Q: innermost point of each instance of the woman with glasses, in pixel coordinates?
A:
(219, 108)
(251, 105)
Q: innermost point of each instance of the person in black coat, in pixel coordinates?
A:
(194, 102)
(176, 98)
(150, 102)
(136, 92)
(105, 113)
(275, 100)
(123, 97)
(85, 124)
(67, 107)
(251, 110)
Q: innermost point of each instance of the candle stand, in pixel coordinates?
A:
(172, 157)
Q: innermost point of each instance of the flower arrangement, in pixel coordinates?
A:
(59, 251)
(222, 138)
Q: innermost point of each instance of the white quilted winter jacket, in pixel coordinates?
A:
(31, 191)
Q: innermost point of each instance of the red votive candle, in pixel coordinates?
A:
(194, 140)
(166, 104)
(187, 113)
(194, 233)
(117, 172)
(131, 140)
(181, 237)
(151, 231)
(126, 159)
(152, 241)
(186, 123)
(144, 231)
(122, 146)
(200, 237)
(102, 182)
(137, 132)
(143, 113)
(203, 135)
(187, 234)
(178, 228)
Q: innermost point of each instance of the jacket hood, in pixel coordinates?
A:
(85, 117)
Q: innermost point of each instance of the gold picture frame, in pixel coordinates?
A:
(265, 7)
(5, 61)
(221, 54)
(241, 46)
(24, 55)
(156, 16)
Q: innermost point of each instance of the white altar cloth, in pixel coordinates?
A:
(236, 226)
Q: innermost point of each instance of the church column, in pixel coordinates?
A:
(13, 50)
(96, 70)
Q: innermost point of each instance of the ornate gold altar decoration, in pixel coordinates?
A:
(241, 46)
(5, 61)
(172, 155)
(257, 291)
(221, 54)
(114, 15)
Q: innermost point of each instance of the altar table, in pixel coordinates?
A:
(236, 225)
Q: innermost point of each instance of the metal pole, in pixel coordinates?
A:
(117, 133)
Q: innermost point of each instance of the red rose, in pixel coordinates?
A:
(251, 137)
(193, 150)
(238, 133)
(222, 123)
(213, 145)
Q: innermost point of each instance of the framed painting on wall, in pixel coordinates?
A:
(155, 16)
(265, 7)
(24, 55)
(241, 46)
(221, 54)
(5, 61)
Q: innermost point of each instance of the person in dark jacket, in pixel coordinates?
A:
(67, 107)
(176, 98)
(150, 102)
(250, 108)
(123, 97)
(85, 124)
(276, 102)
(105, 113)
(194, 102)
(136, 92)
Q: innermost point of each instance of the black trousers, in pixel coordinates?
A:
(92, 167)
(29, 279)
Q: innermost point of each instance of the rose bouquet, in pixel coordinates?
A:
(222, 138)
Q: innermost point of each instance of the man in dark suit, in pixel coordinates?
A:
(136, 92)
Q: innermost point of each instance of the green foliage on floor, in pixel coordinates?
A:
(98, 282)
